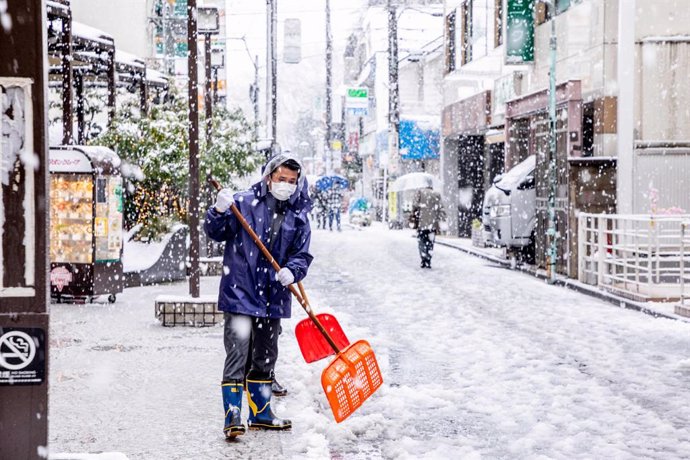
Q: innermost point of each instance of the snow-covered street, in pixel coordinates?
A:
(478, 362)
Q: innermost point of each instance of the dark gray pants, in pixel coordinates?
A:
(239, 330)
(425, 240)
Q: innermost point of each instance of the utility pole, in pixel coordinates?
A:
(193, 102)
(552, 174)
(329, 89)
(272, 65)
(393, 108)
(208, 94)
(626, 107)
(255, 96)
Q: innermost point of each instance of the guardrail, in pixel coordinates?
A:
(683, 307)
(643, 257)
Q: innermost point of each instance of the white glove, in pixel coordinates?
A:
(224, 199)
(285, 276)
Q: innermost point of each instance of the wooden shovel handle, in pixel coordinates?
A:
(302, 299)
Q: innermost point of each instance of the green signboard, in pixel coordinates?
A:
(181, 8)
(520, 31)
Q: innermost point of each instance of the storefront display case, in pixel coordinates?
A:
(86, 205)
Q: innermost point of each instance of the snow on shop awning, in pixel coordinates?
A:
(156, 78)
(57, 8)
(83, 159)
(91, 34)
(125, 59)
(667, 39)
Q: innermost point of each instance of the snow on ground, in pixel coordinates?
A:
(478, 362)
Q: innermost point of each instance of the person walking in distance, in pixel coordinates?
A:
(253, 297)
(427, 212)
(335, 202)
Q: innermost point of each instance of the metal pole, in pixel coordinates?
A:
(256, 95)
(551, 232)
(79, 93)
(67, 79)
(208, 101)
(274, 71)
(393, 108)
(269, 67)
(626, 107)
(215, 85)
(329, 89)
(193, 102)
(111, 87)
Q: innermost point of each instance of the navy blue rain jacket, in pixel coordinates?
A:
(248, 285)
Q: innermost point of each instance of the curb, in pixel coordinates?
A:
(613, 299)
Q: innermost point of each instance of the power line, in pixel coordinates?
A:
(256, 13)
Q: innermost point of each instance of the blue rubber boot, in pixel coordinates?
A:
(232, 404)
(261, 416)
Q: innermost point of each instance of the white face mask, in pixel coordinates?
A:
(282, 190)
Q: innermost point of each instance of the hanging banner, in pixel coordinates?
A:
(519, 31)
(292, 46)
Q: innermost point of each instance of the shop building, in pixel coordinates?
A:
(597, 170)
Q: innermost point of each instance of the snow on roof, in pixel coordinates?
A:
(91, 33)
(156, 76)
(57, 5)
(666, 39)
(130, 59)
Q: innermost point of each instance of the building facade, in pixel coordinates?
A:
(496, 107)
(419, 29)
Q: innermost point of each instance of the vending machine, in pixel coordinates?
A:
(86, 209)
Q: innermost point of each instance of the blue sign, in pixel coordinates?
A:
(418, 142)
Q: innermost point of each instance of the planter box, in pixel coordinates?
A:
(192, 312)
(478, 237)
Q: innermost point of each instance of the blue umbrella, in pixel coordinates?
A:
(326, 182)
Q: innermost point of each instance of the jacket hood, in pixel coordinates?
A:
(300, 199)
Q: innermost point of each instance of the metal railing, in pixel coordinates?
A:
(644, 257)
(684, 269)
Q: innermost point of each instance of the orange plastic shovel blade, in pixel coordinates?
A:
(313, 344)
(350, 379)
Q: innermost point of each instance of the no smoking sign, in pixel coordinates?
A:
(22, 356)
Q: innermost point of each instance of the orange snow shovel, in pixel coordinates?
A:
(354, 374)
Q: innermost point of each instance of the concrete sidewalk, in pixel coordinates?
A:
(497, 256)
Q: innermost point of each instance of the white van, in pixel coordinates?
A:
(509, 211)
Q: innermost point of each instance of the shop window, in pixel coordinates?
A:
(588, 129)
(498, 23)
(478, 22)
(466, 32)
(450, 42)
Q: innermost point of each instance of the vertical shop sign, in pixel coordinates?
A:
(519, 31)
(17, 188)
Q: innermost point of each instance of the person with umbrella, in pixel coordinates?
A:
(252, 295)
(335, 201)
(427, 214)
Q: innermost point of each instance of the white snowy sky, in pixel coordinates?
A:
(300, 86)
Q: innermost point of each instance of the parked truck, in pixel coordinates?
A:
(509, 210)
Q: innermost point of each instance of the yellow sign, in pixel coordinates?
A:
(392, 205)
(100, 226)
(336, 145)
